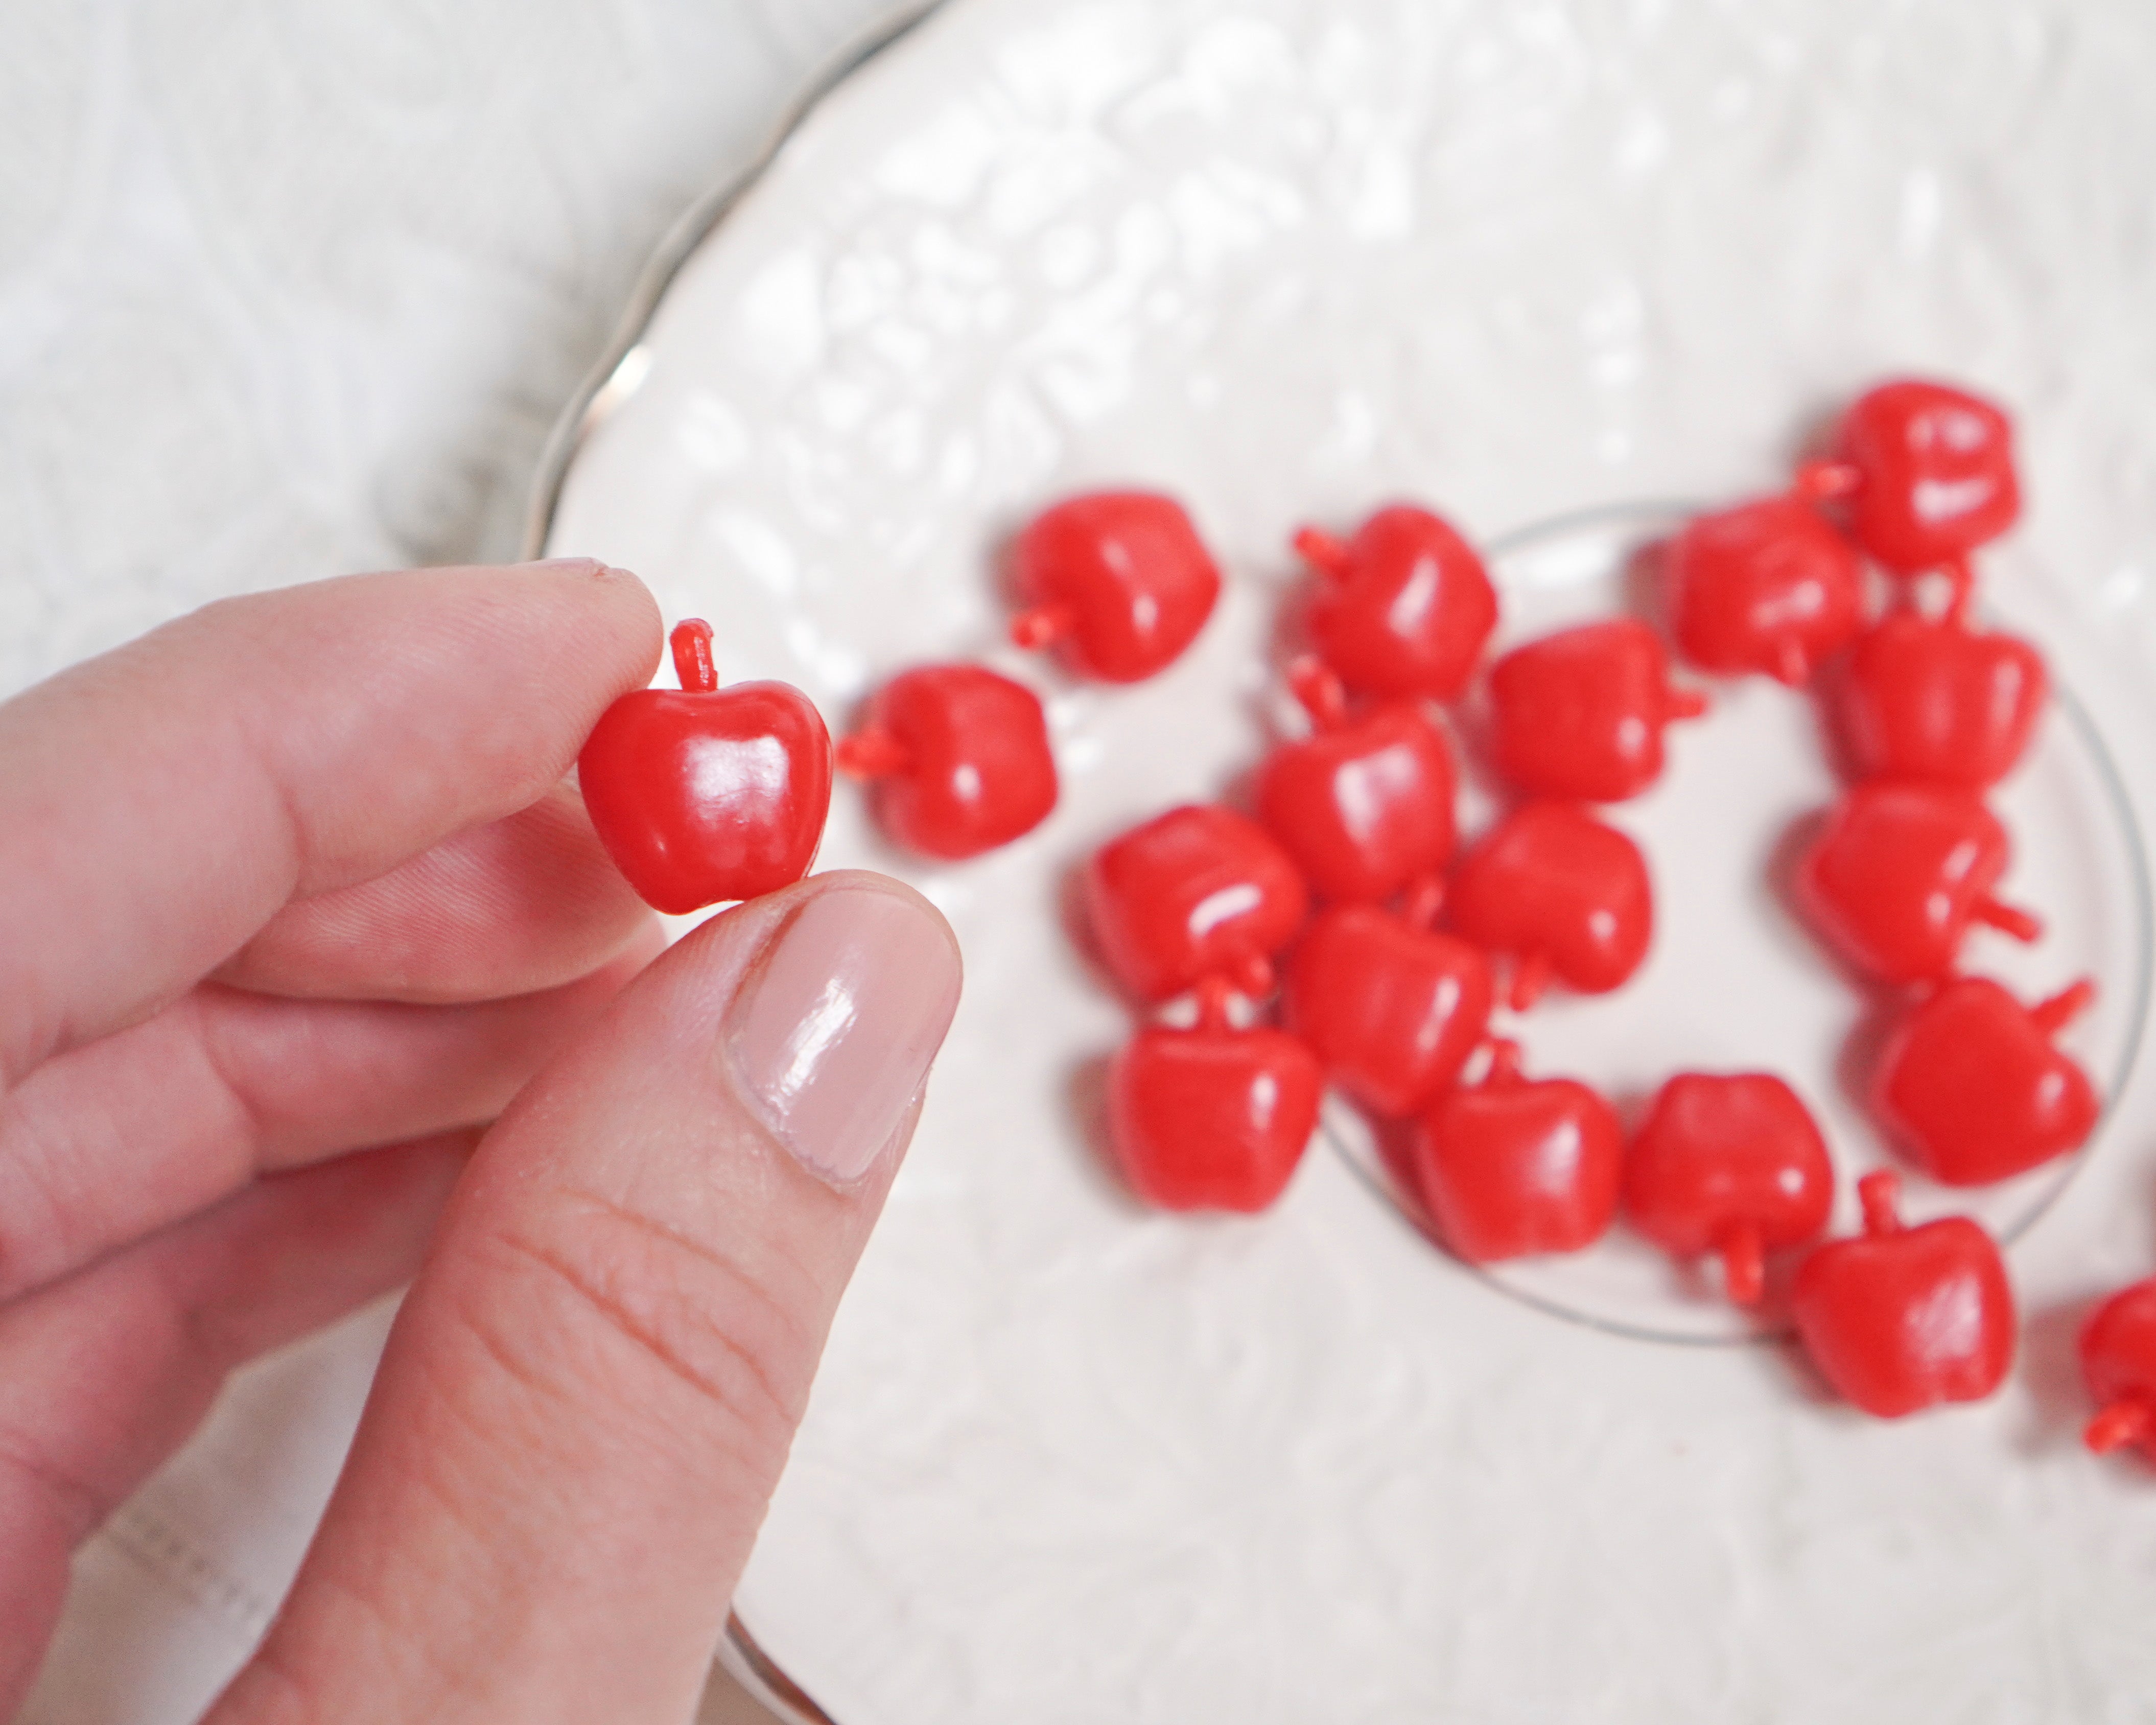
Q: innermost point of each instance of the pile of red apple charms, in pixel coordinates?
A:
(1338, 907)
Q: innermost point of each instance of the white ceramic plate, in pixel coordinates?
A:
(1070, 1461)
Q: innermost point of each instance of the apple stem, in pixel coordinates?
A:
(2008, 919)
(1506, 1056)
(872, 753)
(1214, 993)
(1823, 480)
(692, 656)
(1042, 626)
(1792, 665)
(1425, 898)
(1880, 1192)
(1682, 703)
(1961, 588)
(1742, 1249)
(1323, 551)
(1316, 686)
(2053, 1015)
(2119, 1423)
(1530, 975)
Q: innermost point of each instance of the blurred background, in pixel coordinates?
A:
(289, 287)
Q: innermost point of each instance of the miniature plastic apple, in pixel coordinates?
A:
(1118, 581)
(1364, 806)
(1406, 605)
(1731, 1165)
(959, 758)
(1198, 891)
(1938, 701)
(1898, 1319)
(2119, 1361)
(1580, 713)
(702, 794)
(1766, 586)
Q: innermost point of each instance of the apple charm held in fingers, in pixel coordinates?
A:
(959, 757)
(1765, 587)
(703, 794)
(1118, 582)
(1899, 1319)
(1405, 604)
(1391, 1008)
(1938, 701)
(1733, 1166)
(1562, 894)
(1198, 891)
(2119, 1361)
(1897, 874)
(1580, 713)
(1213, 1118)
(1926, 473)
(1511, 1167)
(1364, 806)
(1971, 1089)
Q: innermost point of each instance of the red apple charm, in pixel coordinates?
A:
(1406, 605)
(1198, 891)
(1212, 1118)
(1391, 1008)
(1971, 1089)
(1897, 874)
(1765, 587)
(1365, 805)
(704, 794)
(1511, 1166)
(2118, 1360)
(1938, 701)
(1562, 894)
(1580, 713)
(1925, 472)
(1119, 581)
(959, 757)
(1734, 1166)
(1898, 1319)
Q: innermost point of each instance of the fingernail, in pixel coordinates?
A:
(576, 566)
(834, 1030)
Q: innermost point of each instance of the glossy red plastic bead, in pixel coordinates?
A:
(1938, 701)
(1365, 805)
(1925, 473)
(1731, 1165)
(1212, 1118)
(703, 794)
(2118, 1362)
(1391, 1008)
(1899, 1319)
(1198, 891)
(1119, 581)
(1405, 604)
(1512, 1167)
(1971, 1089)
(1580, 713)
(1897, 874)
(959, 757)
(1564, 894)
(1767, 586)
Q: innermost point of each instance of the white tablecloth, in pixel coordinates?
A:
(287, 287)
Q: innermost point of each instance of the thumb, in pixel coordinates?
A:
(590, 1391)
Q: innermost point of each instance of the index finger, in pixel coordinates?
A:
(159, 803)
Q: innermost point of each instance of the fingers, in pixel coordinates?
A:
(589, 1393)
(522, 904)
(135, 1131)
(161, 803)
(104, 1375)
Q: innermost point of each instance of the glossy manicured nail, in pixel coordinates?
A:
(837, 1022)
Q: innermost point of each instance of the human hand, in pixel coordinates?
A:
(293, 904)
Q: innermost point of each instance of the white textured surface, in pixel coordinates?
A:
(288, 288)
(1070, 1463)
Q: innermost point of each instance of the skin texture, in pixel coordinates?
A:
(313, 977)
